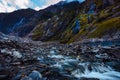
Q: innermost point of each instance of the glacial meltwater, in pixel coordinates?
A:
(71, 66)
(55, 61)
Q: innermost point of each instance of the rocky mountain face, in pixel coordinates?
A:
(66, 22)
(58, 20)
(98, 19)
(78, 21)
(18, 23)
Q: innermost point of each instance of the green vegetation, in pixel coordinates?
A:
(98, 3)
(105, 27)
(38, 31)
(92, 25)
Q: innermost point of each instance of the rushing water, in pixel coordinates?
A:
(71, 66)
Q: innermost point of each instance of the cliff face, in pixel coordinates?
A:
(66, 22)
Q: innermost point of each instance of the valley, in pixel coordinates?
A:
(65, 41)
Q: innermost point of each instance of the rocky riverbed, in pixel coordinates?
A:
(22, 59)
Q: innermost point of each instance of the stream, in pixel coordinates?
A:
(71, 66)
(55, 61)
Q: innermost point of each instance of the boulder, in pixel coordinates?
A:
(17, 54)
(35, 75)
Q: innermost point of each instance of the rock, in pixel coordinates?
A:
(18, 76)
(16, 63)
(6, 51)
(17, 54)
(54, 48)
(3, 51)
(35, 75)
(104, 55)
(95, 50)
(52, 52)
(3, 77)
(8, 59)
(115, 65)
(26, 78)
(83, 78)
(81, 68)
(1, 67)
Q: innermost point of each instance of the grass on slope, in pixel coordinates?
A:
(105, 27)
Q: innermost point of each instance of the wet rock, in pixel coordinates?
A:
(4, 73)
(81, 68)
(95, 50)
(3, 77)
(68, 67)
(104, 55)
(35, 75)
(18, 76)
(3, 51)
(52, 52)
(113, 52)
(8, 59)
(16, 63)
(17, 54)
(6, 51)
(1, 67)
(5, 58)
(26, 78)
(115, 65)
(88, 78)
(57, 76)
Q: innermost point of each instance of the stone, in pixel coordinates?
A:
(8, 59)
(83, 78)
(3, 51)
(17, 54)
(95, 50)
(3, 77)
(26, 78)
(16, 63)
(35, 75)
(52, 52)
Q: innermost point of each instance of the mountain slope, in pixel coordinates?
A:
(12, 23)
(66, 22)
(98, 23)
(57, 22)
(90, 19)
